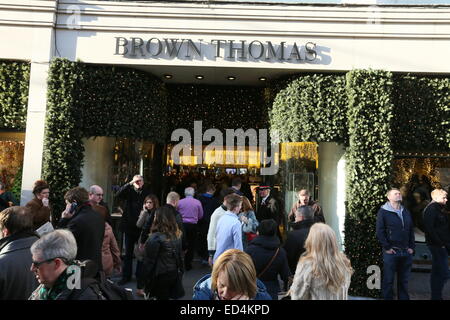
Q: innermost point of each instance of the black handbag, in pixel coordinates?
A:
(177, 291)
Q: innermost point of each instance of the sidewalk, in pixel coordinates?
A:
(419, 285)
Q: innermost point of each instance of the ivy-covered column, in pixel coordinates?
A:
(63, 149)
(369, 157)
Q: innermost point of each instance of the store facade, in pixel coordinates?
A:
(222, 64)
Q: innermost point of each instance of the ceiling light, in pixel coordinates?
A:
(168, 76)
(231, 78)
(262, 78)
(199, 77)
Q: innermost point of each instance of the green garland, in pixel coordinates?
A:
(63, 147)
(422, 114)
(369, 158)
(14, 82)
(84, 101)
(308, 101)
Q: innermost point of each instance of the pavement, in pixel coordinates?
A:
(419, 284)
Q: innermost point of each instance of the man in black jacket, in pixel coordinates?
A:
(133, 193)
(86, 224)
(295, 242)
(437, 236)
(269, 208)
(16, 238)
(395, 232)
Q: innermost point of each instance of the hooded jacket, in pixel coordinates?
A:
(391, 232)
(202, 290)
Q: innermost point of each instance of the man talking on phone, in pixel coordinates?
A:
(86, 224)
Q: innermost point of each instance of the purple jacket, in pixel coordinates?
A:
(191, 210)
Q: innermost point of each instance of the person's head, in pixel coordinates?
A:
(14, 220)
(268, 228)
(394, 195)
(189, 192)
(304, 213)
(328, 263)
(246, 205)
(77, 194)
(404, 191)
(264, 191)
(151, 202)
(41, 189)
(234, 275)
(439, 196)
(418, 196)
(210, 188)
(173, 198)
(2, 187)
(236, 182)
(51, 255)
(233, 202)
(138, 181)
(303, 196)
(95, 194)
(225, 192)
(165, 222)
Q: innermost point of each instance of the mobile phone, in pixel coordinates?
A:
(73, 206)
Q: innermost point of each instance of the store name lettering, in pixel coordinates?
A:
(227, 49)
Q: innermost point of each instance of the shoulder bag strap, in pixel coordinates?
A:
(269, 264)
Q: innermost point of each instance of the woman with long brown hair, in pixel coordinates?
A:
(323, 272)
(163, 264)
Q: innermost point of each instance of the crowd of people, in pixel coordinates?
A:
(239, 239)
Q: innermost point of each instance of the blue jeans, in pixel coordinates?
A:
(400, 262)
(439, 271)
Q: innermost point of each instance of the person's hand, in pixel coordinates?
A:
(410, 251)
(244, 219)
(45, 202)
(391, 251)
(118, 270)
(141, 246)
(66, 213)
(10, 203)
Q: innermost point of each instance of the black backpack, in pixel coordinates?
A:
(104, 288)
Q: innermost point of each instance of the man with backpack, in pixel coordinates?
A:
(63, 278)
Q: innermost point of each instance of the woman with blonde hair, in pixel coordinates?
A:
(323, 272)
(233, 278)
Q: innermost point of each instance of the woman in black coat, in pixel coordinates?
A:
(162, 257)
(270, 260)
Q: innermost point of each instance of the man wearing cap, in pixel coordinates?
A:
(269, 207)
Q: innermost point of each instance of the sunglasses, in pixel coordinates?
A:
(38, 264)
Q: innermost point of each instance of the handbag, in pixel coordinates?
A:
(269, 264)
(177, 291)
(250, 236)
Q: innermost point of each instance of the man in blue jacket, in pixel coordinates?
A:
(395, 231)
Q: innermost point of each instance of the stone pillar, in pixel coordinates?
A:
(332, 186)
(36, 112)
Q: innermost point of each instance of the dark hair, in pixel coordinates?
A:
(77, 194)
(166, 223)
(226, 192)
(210, 187)
(267, 227)
(154, 200)
(39, 186)
(236, 181)
(16, 219)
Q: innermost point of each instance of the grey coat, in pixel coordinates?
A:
(17, 282)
